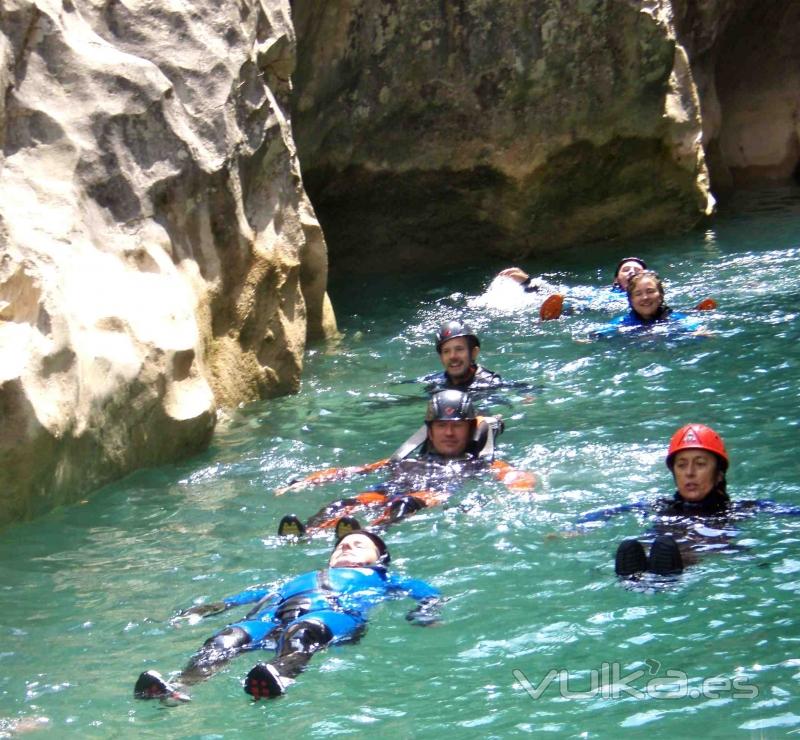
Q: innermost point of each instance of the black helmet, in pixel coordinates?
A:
(384, 558)
(453, 329)
(450, 406)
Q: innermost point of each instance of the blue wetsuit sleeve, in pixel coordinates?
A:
(685, 322)
(770, 507)
(610, 328)
(248, 596)
(600, 515)
(412, 587)
(428, 598)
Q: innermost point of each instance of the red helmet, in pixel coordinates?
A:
(697, 437)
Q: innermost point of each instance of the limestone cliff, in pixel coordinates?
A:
(159, 255)
(745, 60)
(443, 132)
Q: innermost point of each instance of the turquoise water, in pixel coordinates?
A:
(88, 590)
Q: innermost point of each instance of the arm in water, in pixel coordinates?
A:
(331, 474)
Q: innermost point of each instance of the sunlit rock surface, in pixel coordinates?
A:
(745, 59)
(440, 133)
(159, 256)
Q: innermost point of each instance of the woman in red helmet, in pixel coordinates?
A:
(698, 460)
(699, 515)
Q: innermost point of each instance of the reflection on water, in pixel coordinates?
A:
(88, 590)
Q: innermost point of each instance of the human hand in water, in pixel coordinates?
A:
(195, 613)
(426, 612)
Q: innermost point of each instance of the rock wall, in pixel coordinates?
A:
(443, 132)
(159, 255)
(745, 59)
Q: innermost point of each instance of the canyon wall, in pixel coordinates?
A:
(160, 258)
(443, 132)
(451, 132)
(745, 61)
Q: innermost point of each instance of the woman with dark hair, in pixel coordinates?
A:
(296, 619)
(627, 267)
(698, 461)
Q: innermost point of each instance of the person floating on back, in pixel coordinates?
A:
(297, 619)
(575, 300)
(453, 445)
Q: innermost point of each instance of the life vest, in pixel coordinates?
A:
(481, 445)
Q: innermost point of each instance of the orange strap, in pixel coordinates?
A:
(331, 474)
(367, 498)
(516, 480)
(328, 523)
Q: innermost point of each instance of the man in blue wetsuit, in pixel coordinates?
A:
(297, 619)
(458, 347)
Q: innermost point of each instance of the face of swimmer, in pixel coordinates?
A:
(458, 356)
(354, 551)
(696, 474)
(646, 296)
(449, 438)
(626, 271)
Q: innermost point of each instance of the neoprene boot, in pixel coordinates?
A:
(630, 558)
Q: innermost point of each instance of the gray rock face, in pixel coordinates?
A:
(745, 59)
(159, 255)
(443, 131)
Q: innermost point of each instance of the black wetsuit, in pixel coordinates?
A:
(408, 487)
(481, 379)
(697, 527)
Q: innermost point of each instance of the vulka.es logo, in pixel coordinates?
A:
(609, 682)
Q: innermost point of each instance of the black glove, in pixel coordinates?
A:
(202, 610)
(426, 612)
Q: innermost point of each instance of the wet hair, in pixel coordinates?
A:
(640, 275)
(636, 279)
